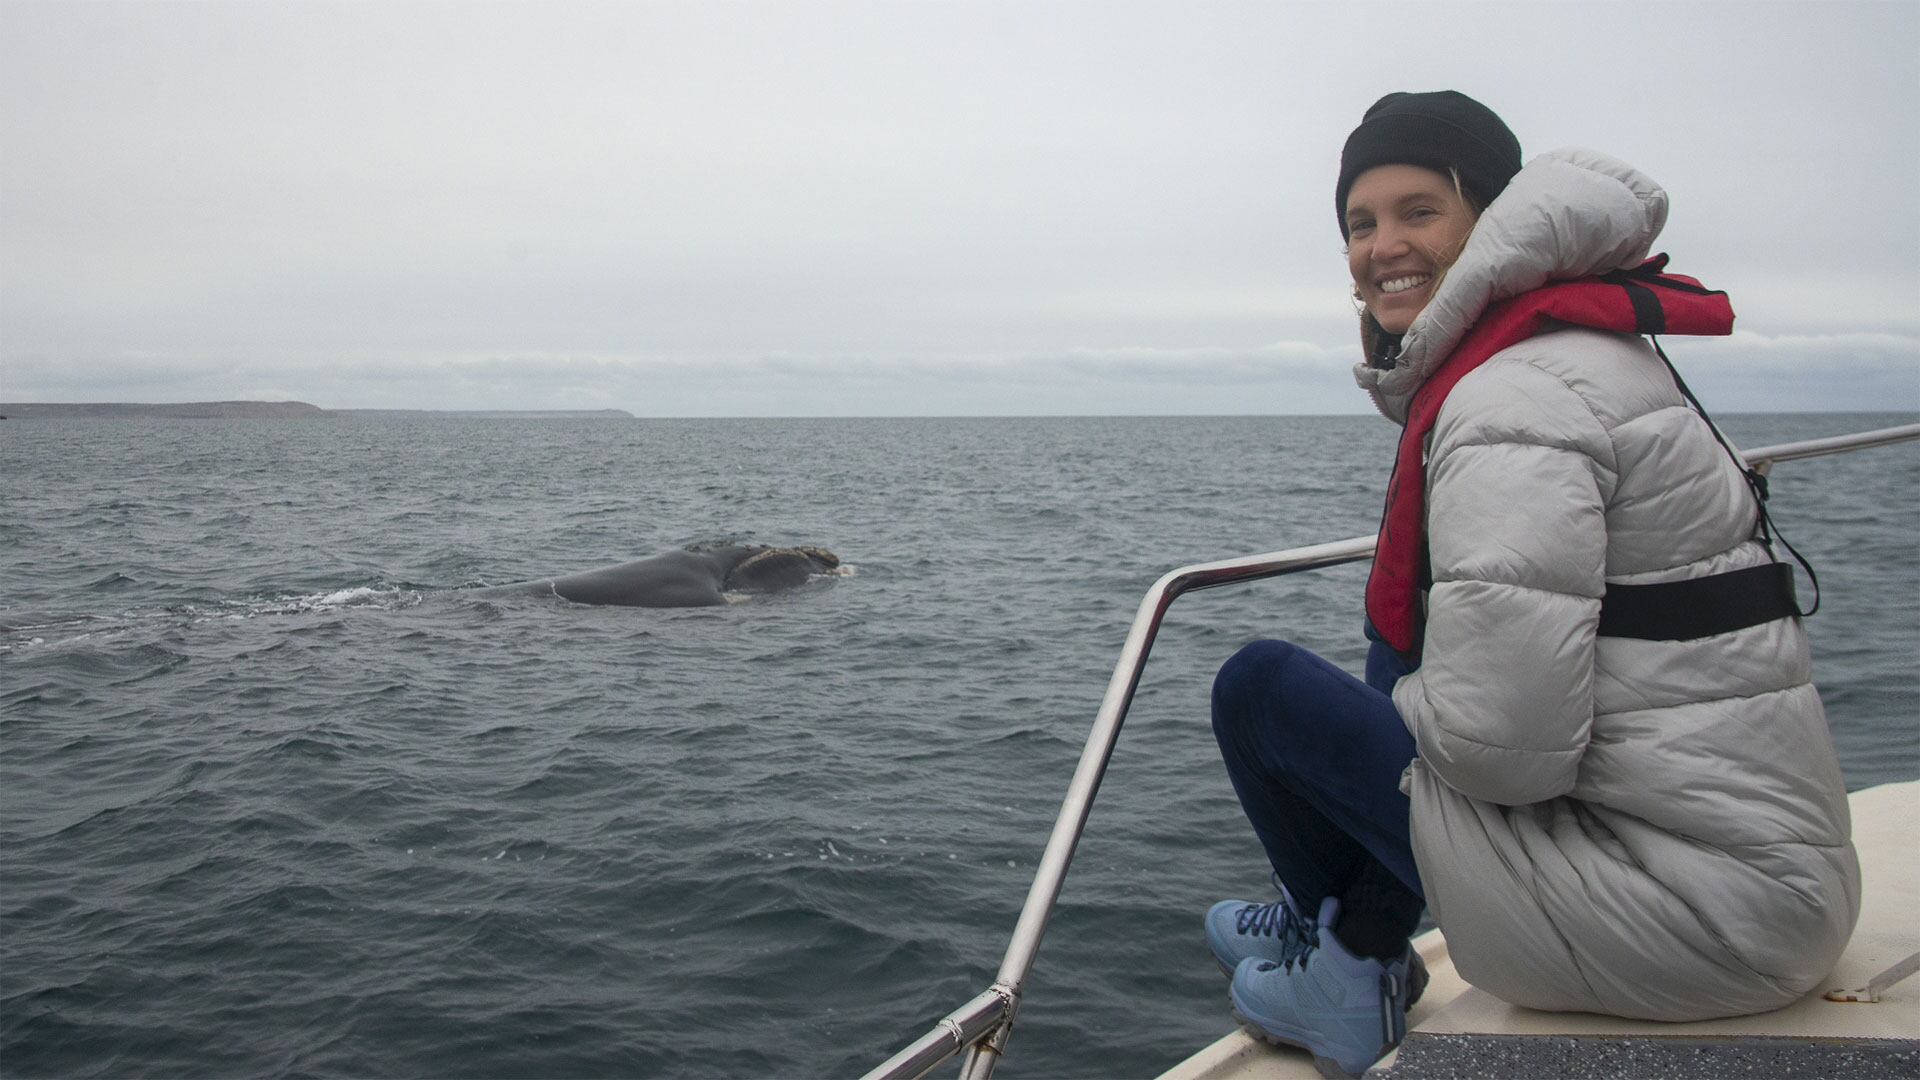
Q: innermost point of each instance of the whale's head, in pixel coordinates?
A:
(772, 569)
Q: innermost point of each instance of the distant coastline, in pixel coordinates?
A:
(491, 414)
(269, 410)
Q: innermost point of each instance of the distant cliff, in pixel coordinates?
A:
(273, 410)
(184, 410)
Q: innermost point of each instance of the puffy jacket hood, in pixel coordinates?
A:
(1566, 214)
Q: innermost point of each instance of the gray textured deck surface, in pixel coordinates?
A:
(1434, 1057)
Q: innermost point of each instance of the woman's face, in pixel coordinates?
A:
(1405, 224)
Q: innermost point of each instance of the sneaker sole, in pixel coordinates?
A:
(1326, 1065)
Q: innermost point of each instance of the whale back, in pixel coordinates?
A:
(772, 569)
(694, 577)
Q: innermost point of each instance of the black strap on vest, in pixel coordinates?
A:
(1717, 603)
(1699, 607)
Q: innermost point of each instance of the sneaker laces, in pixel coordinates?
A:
(1298, 935)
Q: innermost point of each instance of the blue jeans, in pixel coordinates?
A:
(1316, 756)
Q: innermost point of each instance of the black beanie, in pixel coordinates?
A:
(1441, 130)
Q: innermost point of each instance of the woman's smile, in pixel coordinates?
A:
(1397, 297)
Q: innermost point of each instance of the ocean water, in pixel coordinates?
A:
(275, 798)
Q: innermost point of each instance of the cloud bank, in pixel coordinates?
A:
(871, 208)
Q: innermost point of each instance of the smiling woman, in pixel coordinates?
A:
(1607, 806)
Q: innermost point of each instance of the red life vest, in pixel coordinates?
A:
(1644, 300)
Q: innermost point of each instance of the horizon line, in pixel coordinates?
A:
(630, 415)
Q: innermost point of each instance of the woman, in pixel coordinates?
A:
(1588, 740)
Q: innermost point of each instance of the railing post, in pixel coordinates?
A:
(985, 1054)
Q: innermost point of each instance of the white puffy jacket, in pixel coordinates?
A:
(1648, 829)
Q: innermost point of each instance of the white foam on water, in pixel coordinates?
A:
(347, 596)
(379, 597)
(383, 598)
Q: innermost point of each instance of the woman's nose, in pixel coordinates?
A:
(1389, 240)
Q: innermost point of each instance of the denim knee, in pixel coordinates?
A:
(1243, 690)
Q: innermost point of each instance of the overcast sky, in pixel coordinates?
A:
(797, 208)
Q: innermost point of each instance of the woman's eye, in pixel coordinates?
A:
(1355, 228)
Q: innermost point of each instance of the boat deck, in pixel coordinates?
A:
(1458, 1030)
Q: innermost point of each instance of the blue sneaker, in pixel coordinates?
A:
(1238, 929)
(1346, 1010)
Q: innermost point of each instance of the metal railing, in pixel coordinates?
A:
(981, 1026)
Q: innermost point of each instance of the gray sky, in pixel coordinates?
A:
(798, 208)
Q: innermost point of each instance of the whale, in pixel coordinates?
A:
(693, 577)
